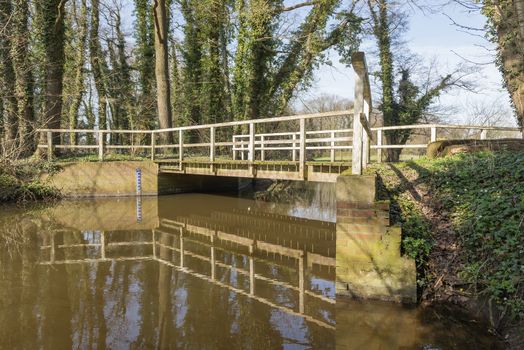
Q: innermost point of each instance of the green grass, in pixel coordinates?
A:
(483, 194)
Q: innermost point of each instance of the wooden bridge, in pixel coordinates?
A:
(313, 147)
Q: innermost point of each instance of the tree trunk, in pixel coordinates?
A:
(7, 86)
(98, 64)
(507, 19)
(162, 70)
(79, 71)
(518, 94)
(24, 85)
(52, 13)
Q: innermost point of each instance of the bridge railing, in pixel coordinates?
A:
(424, 134)
(320, 140)
(295, 139)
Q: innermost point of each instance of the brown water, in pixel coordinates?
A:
(192, 272)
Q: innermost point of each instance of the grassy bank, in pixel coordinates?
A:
(463, 220)
(19, 181)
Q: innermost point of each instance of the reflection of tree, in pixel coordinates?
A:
(56, 308)
(147, 275)
(165, 319)
(103, 272)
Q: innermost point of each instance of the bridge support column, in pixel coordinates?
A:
(368, 261)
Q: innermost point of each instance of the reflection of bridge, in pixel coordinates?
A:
(206, 246)
(314, 147)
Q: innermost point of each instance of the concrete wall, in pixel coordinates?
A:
(369, 264)
(99, 179)
(118, 179)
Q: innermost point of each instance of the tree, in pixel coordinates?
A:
(403, 102)
(24, 83)
(75, 65)
(144, 61)
(162, 68)
(98, 65)
(121, 87)
(7, 87)
(506, 29)
(51, 14)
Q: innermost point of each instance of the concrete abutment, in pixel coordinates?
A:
(119, 179)
(368, 260)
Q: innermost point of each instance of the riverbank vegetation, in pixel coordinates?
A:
(463, 221)
(19, 181)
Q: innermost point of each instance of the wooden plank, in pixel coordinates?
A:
(263, 120)
(180, 147)
(73, 146)
(153, 148)
(358, 107)
(251, 149)
(211, 146)
(49, 146)
(100, 145)
(379, 144)
(332, 152)
(302, 152)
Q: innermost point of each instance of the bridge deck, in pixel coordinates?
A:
(277, 170)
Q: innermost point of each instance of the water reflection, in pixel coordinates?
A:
(193, 272)
(183, 272)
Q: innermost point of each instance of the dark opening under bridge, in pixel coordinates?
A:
(313, 147)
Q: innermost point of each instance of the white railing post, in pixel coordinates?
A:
(365, 138)
(294, 151)
(379, 144)
(212, 147)
(181, 148)
(50, 150)
(356, 166)
(153, 145)
(483, 134)
(262, 151)
(332, 155)
(100, 145)
(433, 133)
(234, 147)
(251, 148)
(302, 152)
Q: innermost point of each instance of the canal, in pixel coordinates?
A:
(195, 271)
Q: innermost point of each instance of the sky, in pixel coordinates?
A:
(433, 36)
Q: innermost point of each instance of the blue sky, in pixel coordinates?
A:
(433, 36)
